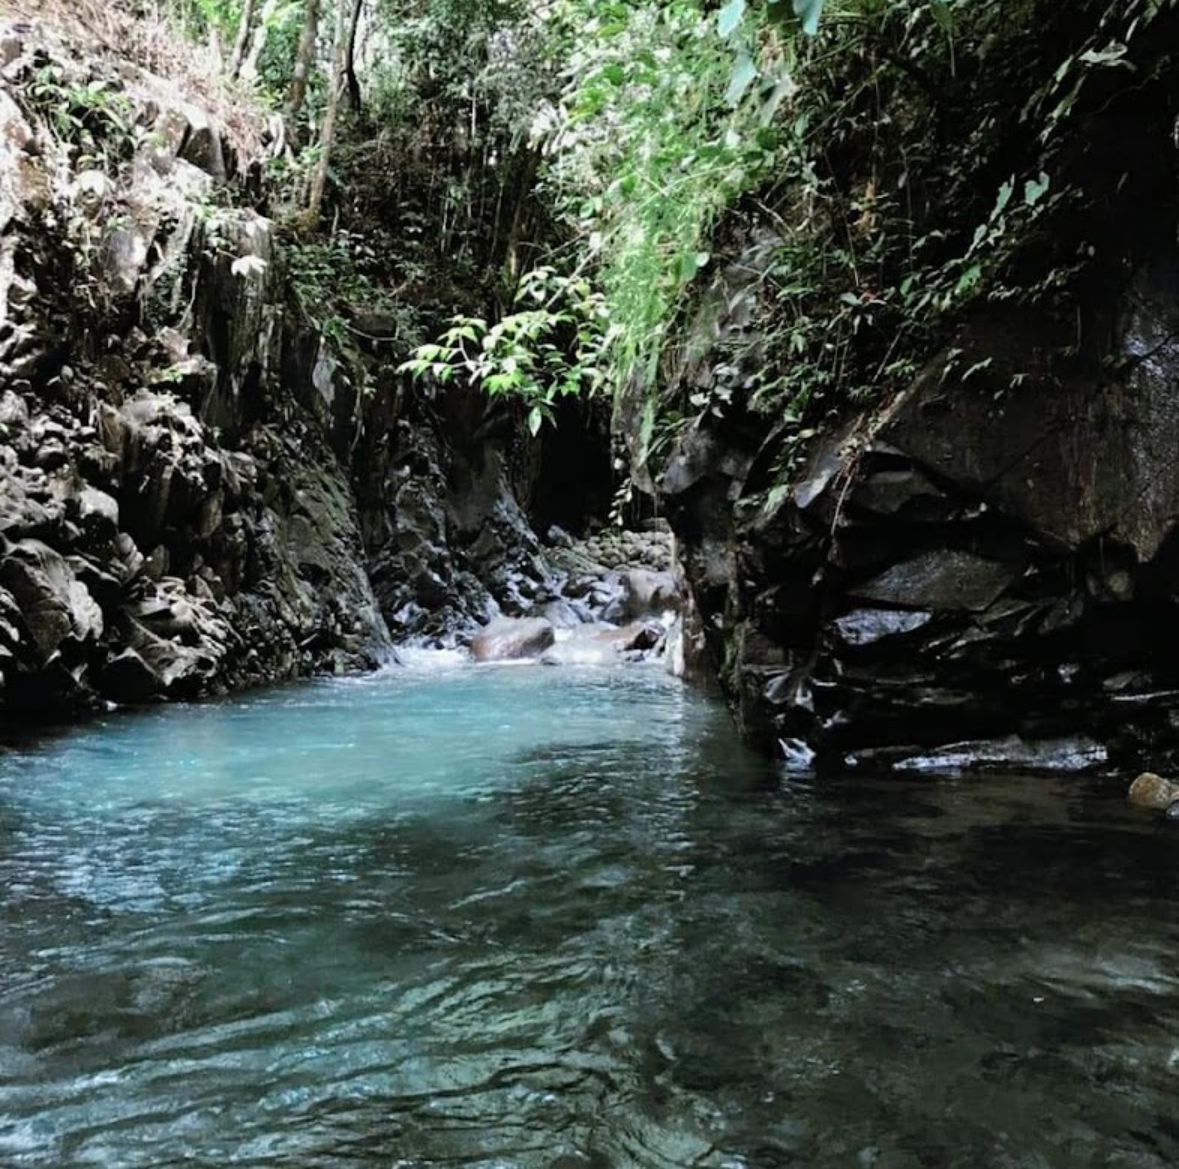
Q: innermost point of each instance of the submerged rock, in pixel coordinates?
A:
(1010, 753)
(1152, 791)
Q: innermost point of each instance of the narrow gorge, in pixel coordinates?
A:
(200, 496)
(210, 485)
(583, 583)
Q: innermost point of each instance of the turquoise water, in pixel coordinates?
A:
(536, 918)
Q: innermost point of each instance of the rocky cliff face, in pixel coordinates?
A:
(194, 494)
(173, 520)
(983, 572)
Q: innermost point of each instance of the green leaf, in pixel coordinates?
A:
(535, 420)
(691, 263)
(1005, 193)
(729, 17)
(784, 88)
(968, 280)
(1034, 189)
(943, 15)
(808, 13)
(744, 74)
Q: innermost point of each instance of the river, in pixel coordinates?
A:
(525, 917)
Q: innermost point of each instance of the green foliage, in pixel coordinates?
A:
(93, 117)
(331, 280)
(200, 17)
(898, 160)
(280, 46)
(663, 126)
(806, 12)
(909, 163)
(551, 346)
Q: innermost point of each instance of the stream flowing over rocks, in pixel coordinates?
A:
(194, 497)
(197, 496)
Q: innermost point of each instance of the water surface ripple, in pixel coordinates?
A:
(547, 919)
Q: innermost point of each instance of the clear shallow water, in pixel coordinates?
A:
(550, 919)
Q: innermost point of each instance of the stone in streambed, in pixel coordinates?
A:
(603, 645)
(512, 638)
(1152, 791)
(650, 593)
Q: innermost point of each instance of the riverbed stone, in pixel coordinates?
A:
(512, 638)
(604, 645)
(1153, 791)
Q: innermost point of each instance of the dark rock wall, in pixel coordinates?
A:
(438, 483)
(174, 520)
(195, 495)
(982, 569)
(984, 572)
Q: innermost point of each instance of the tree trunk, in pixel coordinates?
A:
(244, 25)
(304, 58)
(350, 60)
(327, 133)
(249, 68)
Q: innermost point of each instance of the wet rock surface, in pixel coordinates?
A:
(173, 523)
(983, 575)
(511, 639)
(1152, 791)
(586, 613)
(452, 550)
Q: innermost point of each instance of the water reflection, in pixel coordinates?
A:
(550, 919)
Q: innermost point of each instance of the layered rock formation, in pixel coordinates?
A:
(925, 418)
(194, 494)
(981, 574)
(172, 521)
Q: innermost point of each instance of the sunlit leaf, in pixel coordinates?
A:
(809, 12)
(1005, 193)
(744, 74)
(729, 17)
(1034, 189)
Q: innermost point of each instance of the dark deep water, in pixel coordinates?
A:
(555, 918)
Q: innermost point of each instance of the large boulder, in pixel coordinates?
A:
(54, 605)
(645, 593)
(603, 645)
(512, 638)
(1152, 791)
